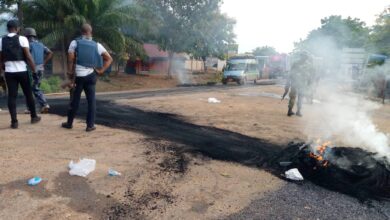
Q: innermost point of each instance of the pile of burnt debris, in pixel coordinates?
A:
(352, 171)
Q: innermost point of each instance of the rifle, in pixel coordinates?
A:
(286, 90)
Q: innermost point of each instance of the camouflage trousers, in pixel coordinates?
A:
(294, 95)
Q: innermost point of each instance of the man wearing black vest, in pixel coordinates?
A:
(87, 58)
(14, 57)
(41, 55)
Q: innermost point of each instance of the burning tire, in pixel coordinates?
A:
(351, 171)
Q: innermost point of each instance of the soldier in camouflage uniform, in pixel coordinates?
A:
(299, 81)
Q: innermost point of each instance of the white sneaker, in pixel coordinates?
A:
(45, 109)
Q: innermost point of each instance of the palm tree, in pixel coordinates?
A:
(8, 6)
(51, 20)
(58, 22)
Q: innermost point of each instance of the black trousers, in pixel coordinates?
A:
(86, 84)
(13, 81)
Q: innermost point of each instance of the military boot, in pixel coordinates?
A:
(290, 112)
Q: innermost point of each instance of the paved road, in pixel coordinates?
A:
(308, 201)
(107, 96)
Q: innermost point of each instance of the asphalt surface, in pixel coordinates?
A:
(293, 201)
(308, 201)
(59, 98)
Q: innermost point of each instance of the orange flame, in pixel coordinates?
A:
(319, 153)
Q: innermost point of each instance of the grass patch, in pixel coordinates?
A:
(51, 84)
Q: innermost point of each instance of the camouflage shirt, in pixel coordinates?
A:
(301, 74)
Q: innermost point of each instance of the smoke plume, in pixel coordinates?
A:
(180, 72)
(344, 117)
(342, 114)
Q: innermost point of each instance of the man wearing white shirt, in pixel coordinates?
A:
(14, 57)
(90, 58)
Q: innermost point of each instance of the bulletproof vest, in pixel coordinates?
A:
(11, 49)
(37, 51)
(87, 54)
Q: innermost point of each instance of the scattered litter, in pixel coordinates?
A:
(225, 175)
(213, 100)
(1, 109)
(34, 181)
(294, 174)
(285, 163)
(82, 168)
(112, 172)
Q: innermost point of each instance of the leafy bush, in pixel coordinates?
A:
(51, 84)
(217, 77)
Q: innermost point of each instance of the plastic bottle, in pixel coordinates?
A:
(112, 172)
(34, 181)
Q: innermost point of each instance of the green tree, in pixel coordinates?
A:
(212, 36)
(58, 22)
(380, 36)
(264, 51)
(336, 32)
(6, 7)
(195, 26)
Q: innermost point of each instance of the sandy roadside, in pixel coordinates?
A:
(156, 183)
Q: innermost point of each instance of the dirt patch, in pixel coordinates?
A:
(255, 116)
(159, 178)
(123, 82)
(210, 141)
(181, 158)
(168, 165)
(169, 156)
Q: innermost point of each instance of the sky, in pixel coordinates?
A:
(280, 23)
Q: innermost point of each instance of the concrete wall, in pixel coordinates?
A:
(197, 65)
(57, 67)
(221, 65)
(194, 65)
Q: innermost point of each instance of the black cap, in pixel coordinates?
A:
(12, 24)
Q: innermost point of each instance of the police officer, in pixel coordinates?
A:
(15, 55)
(41, 55)
(90, 59)
(299, 81)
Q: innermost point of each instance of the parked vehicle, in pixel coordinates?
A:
(272, 67)
(241, 69)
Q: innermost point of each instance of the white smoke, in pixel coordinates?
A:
(343, 115)
(180, 72)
